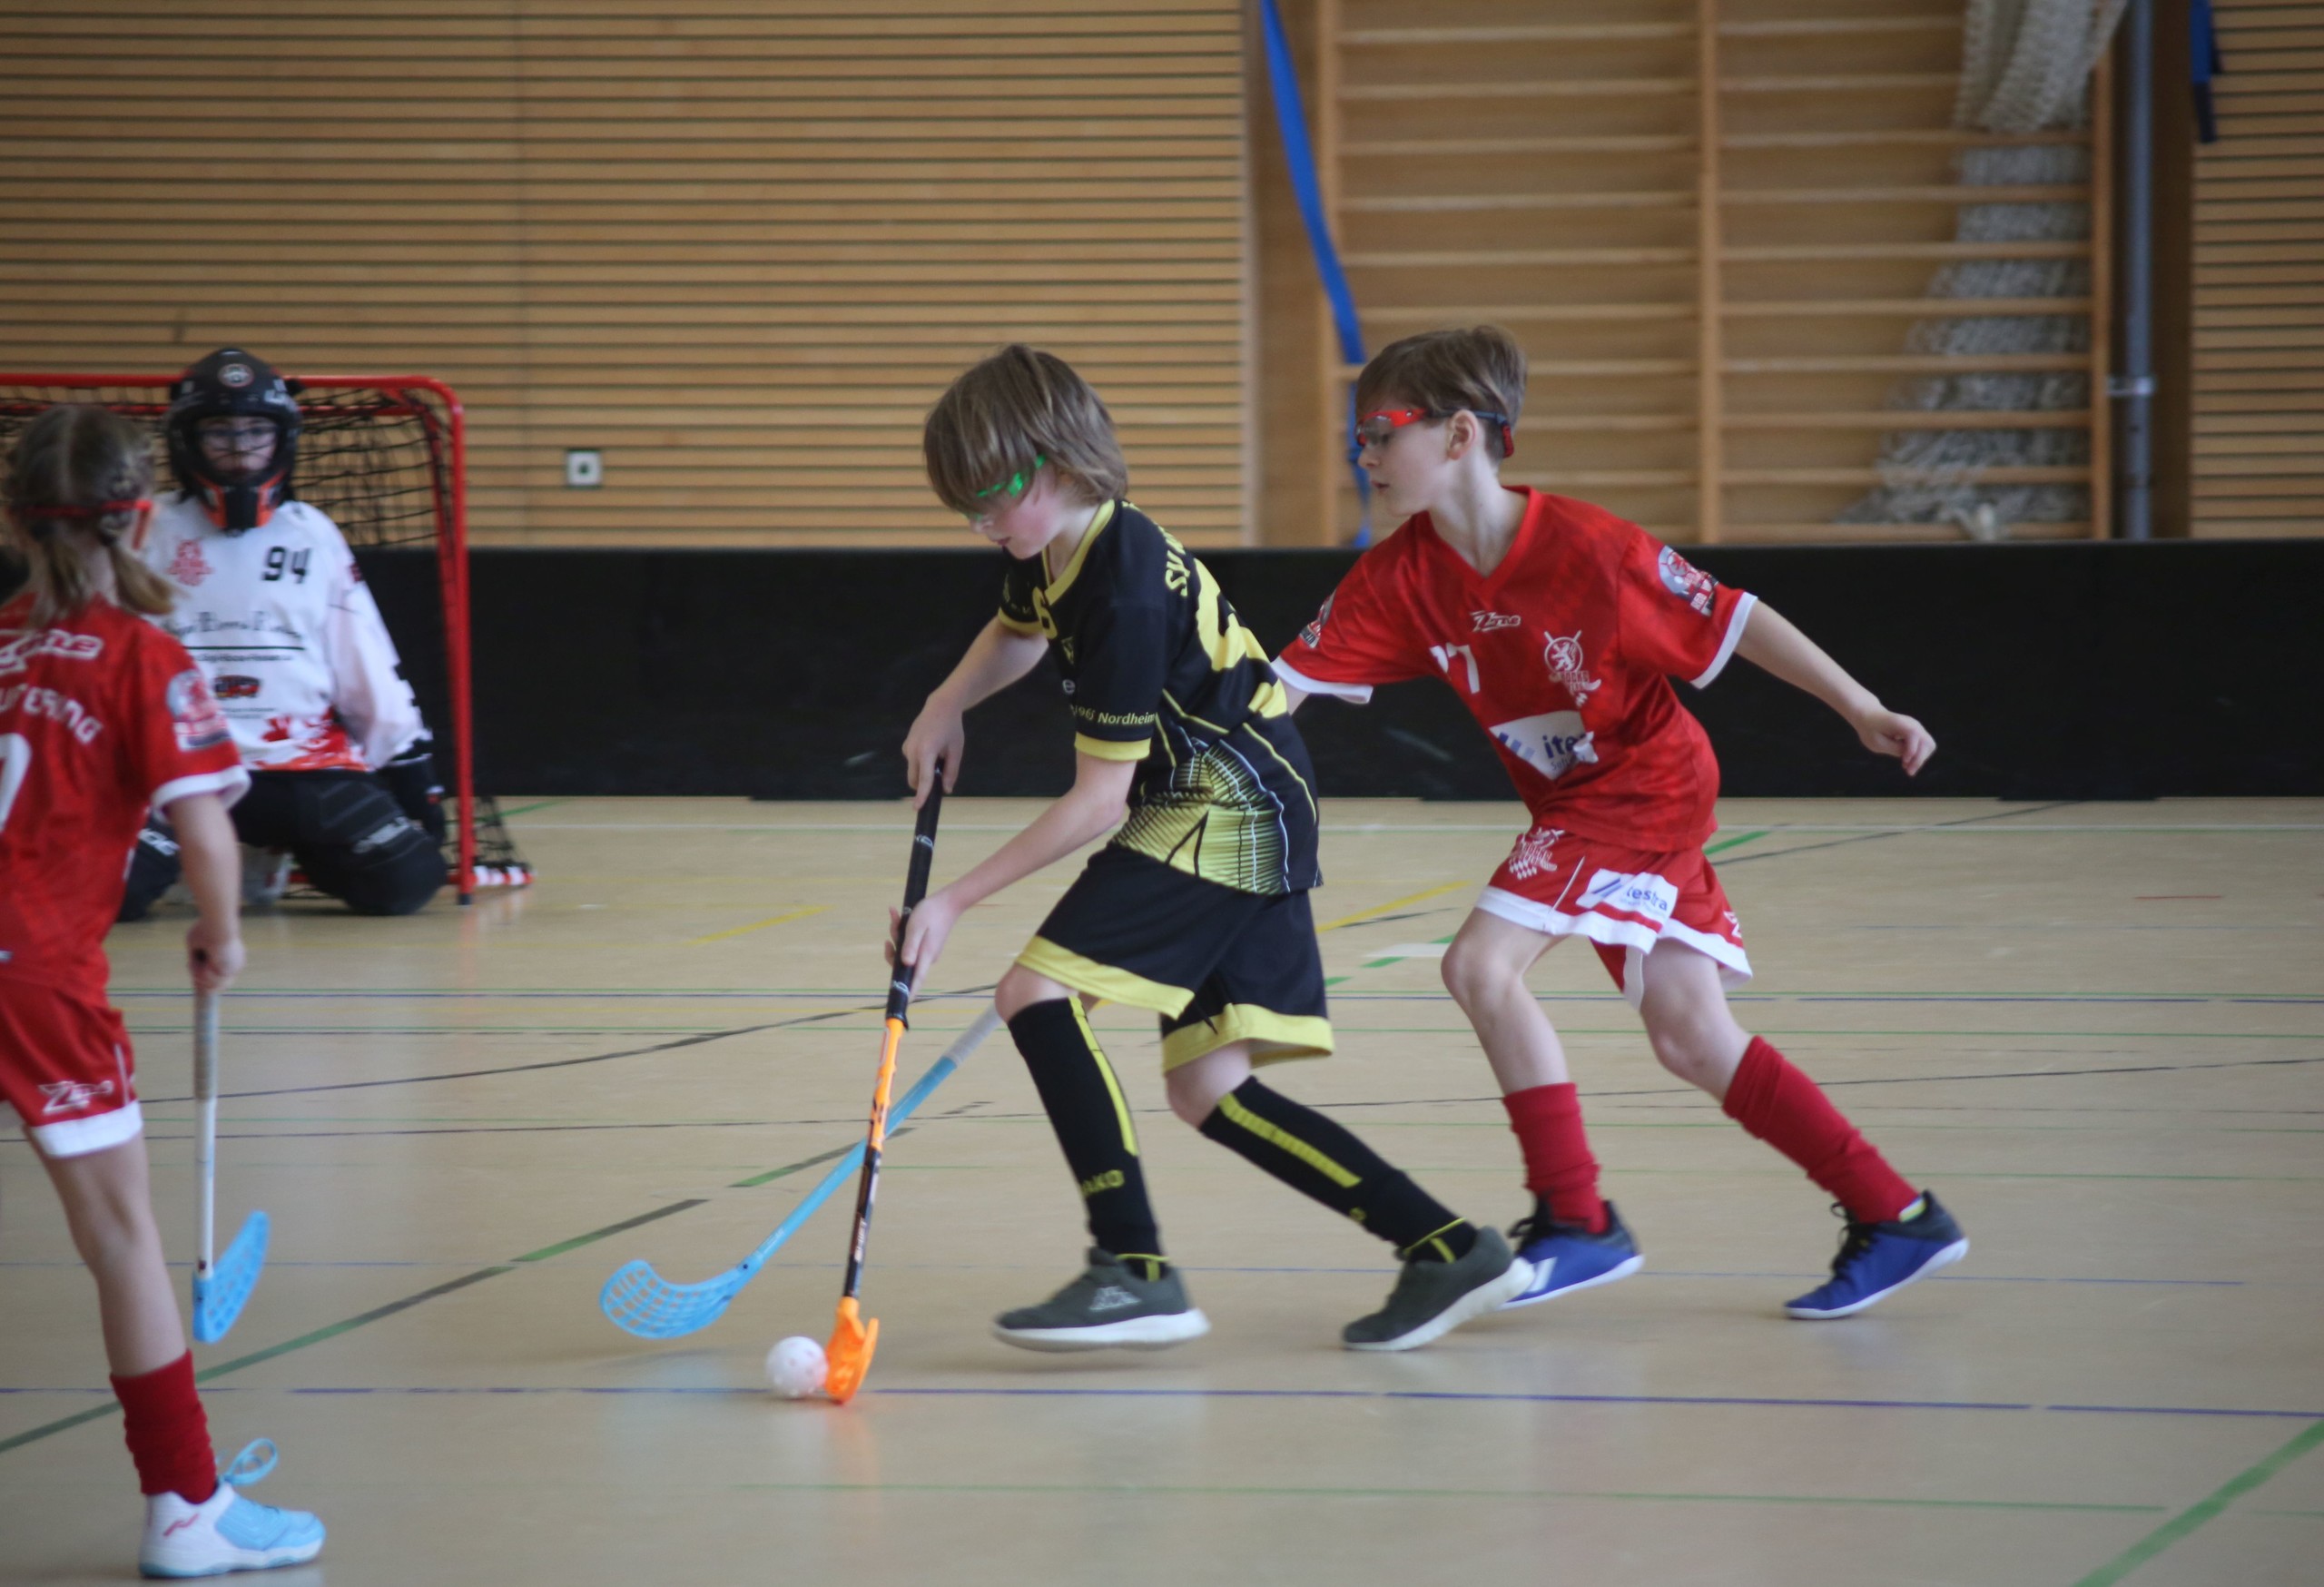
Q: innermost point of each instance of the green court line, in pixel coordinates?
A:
(528, 809)
(348, 1325)
(1167, 1490)
(1736, 843)
(2203, 1510)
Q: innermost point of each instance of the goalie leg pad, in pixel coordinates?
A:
(356, 843)
(154, 867)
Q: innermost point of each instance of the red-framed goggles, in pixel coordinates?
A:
(1373, 429)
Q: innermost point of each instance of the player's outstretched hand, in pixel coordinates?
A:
(931, 923)
(937, 734)
(1892, 733)
(214, 954)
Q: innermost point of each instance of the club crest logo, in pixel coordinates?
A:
(1312, 635)
(1563, 657)
(189, 567)
(194, 712)
(1686, 581)
(1535, 854)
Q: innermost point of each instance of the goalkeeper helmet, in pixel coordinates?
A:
(233, 385)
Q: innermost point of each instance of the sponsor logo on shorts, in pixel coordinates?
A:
(1686, 581)
(1552, 743)
(17, 654)
(1489, 622)
(1535, 854)
(71, 1096)
(1564, 659)
(1640, 893)
(194, 712)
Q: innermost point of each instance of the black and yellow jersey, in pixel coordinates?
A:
(1159, 670)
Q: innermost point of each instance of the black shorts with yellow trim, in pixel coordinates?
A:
(1218, 965)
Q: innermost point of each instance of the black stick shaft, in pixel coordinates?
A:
(867, 1189)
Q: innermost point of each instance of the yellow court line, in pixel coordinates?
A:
(797, 914)
(1395, 903)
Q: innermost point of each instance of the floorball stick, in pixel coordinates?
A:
(854, 1336)
(221, 1284)
(642, 1302)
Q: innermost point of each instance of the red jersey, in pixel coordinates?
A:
(102, 718)
(1563, 654)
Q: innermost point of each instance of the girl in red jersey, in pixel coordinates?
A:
(103, 717)
(1559, 626)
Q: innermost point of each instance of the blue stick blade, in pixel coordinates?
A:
(637, 1300)
(640, 1301)
(218, 1298)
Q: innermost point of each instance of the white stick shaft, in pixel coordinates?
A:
(205, 1100)
(969, 1040)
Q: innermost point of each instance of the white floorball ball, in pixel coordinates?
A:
(795, 1366)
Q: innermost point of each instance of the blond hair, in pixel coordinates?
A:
(76, 481)
(1017, 411)
(1478, 370)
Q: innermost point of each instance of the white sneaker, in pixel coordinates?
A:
(227, 1532)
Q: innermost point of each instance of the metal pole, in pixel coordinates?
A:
(2133, 389)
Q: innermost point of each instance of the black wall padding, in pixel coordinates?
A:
(2046, 671)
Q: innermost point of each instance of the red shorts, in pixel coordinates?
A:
(1625, 901)
(66, 1068)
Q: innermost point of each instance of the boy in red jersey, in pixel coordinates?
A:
(1559, 624)
(103, 717)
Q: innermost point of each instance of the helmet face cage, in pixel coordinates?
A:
(232, 383)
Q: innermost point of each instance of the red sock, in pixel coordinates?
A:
(1558, 1168)
(1789, 1111)
(169, 1435)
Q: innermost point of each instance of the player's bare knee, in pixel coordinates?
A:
(1195, 1087)
(1020, 990)
(1474, 976)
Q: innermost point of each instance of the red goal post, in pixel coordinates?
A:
(386, 456)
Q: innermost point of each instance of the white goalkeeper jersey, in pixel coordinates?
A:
(280, 622)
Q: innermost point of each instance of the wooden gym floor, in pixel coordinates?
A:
(2097, 1030)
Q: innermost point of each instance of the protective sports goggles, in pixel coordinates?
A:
(1015, 486)
(1373, 429)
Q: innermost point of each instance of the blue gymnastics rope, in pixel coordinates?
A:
(1299, 158)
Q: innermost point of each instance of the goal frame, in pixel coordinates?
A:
(443, 422)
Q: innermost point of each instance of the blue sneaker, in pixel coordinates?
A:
(1566, 1256)
(226, 1532)
(1877, 1259)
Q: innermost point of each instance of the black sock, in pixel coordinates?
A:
(1321, 1160)
(1091, 1118)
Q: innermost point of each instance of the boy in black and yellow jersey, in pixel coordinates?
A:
(1198, 909)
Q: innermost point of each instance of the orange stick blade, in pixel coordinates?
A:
(848, 1356)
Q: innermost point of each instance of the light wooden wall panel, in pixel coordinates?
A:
(1711, 222)
(739, 245)
(2259, 335)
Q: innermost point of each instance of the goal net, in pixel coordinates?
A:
(386, 458)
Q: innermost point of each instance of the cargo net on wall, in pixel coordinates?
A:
(2025, 68)
(384, 458)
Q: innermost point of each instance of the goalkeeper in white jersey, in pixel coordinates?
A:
(275, 612)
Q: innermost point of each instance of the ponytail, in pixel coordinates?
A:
(77, 481)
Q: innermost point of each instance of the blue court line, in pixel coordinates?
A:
(1746, 1402)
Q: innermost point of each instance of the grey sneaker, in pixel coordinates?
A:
(1108, 1307)
(1433, 1298)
